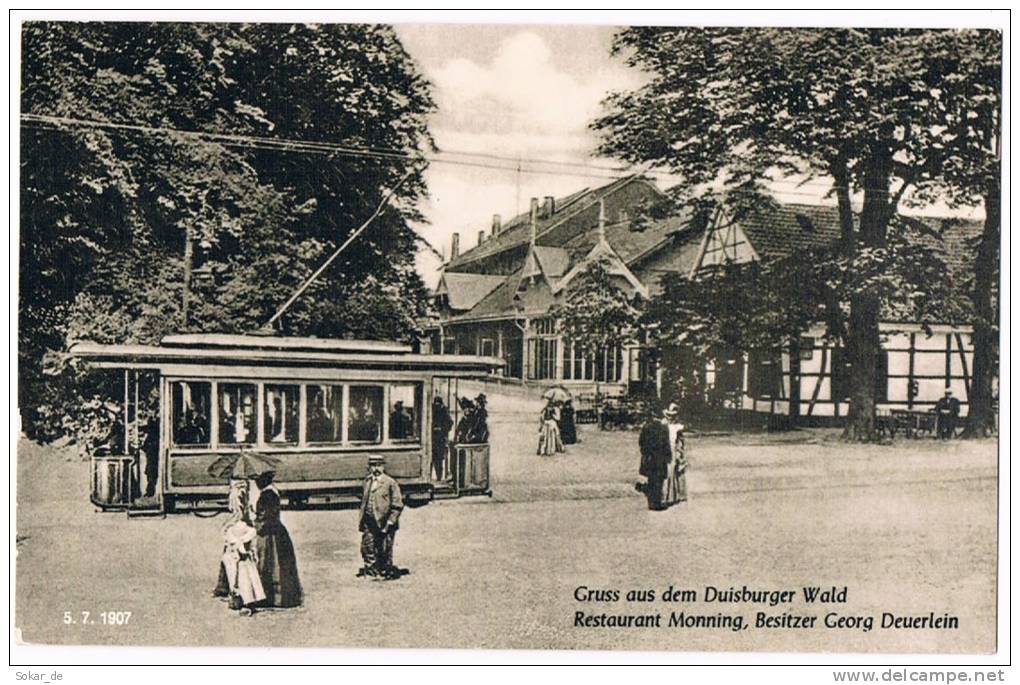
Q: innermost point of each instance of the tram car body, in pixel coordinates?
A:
(318, 406)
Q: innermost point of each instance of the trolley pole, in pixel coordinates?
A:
(188, 256)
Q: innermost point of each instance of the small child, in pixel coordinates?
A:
(246, 589)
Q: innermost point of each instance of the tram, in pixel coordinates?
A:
(318, 406)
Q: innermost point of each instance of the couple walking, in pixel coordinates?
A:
(556, 427)
(663, 460)
(258, 567)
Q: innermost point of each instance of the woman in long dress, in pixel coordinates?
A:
(674, 487)
(549, 441)
(568, 428)
(274, 550)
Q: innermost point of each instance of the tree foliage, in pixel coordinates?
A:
(597, 314)
(105, 213)
(873, 112)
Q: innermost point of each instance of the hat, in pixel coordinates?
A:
(376, 459)
(949, 390)
(240, 533)
(672, 411)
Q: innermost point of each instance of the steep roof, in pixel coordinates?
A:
(787, 228)
(464, 291)
(517, 231)
(632, 245)
(783, 229)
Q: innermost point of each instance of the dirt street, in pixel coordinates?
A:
(908, 529)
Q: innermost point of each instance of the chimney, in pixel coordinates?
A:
(481, 237)
(548, 206)
(496, 224)
(455, 246)
(534, 219)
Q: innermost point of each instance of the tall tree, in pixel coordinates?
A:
(864, 109)
(971, 176)
(113, 219)
(597, 314)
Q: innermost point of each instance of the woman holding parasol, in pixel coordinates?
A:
(273, 548)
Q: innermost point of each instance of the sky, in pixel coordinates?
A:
(523, 92)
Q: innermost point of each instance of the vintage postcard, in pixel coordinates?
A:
(629, 337)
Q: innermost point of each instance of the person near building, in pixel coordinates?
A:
(947, 415)
(549, 441)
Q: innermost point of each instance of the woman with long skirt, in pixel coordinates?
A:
(274, 550)
(568, 427)
(549, 441)
(674, 487)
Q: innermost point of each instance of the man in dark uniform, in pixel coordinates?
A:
(441, 425)
(947, 411)
(656, 454)
(381, 504)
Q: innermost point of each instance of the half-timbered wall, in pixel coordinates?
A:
(914, 370)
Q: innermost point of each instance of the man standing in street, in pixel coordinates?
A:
(947, 411)
(381, 504)
(656, 455)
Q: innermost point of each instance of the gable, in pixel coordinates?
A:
(725, 243)
(464, 291)
(617, 269)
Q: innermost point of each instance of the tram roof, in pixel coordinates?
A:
(178, 354)
(274, 342)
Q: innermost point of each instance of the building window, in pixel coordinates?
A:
(545, 326)
(237, 413)
(573, 362)
(608, 364)
(404, 413)
(765, 374)
(191, 419)
(581, 367)
(545, 365)
(488, 347)
(281, 413)
(325, 413)
(729, 373)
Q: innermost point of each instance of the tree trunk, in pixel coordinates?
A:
(863, 340)
(981, 412)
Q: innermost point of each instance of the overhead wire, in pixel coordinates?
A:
(514, 165)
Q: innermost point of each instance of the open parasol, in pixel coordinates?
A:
(557, 393)
(242, 465)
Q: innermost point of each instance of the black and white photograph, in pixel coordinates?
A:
(671, 335)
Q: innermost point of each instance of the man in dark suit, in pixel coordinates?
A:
(441, 425)
(656, 454)
(947, 412)
(381, 504)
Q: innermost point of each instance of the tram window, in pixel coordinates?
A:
(281, 413)
(365, 415)
(191, 402)
(325, 413)
(404, 413)
(237, 413)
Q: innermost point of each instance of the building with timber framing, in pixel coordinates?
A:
(495, 299)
